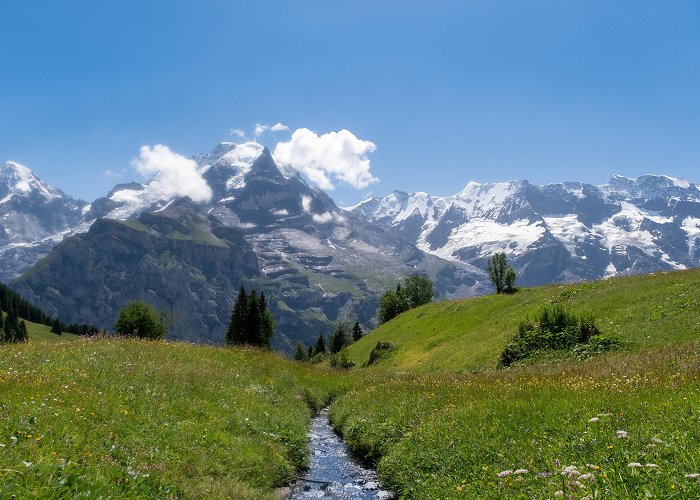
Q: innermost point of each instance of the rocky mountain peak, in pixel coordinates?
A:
(264, 167)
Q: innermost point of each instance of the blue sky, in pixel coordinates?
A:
(447, 91)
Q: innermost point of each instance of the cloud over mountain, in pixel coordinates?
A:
(174, 174)
(329, 158)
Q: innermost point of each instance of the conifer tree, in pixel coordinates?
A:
(251, 328)
(234, 334)
(320, 345)
(357, 332)
(22, 334)
(56, 327)
(339, 339)
(300, 353)
(267, 322)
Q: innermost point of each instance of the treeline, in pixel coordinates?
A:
(18, 310)
(334, 348)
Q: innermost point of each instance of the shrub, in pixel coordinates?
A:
(138, 319)
(555, 328)
(380, 351)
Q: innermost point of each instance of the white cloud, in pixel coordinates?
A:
(261, 129)
(281, 212)
(176, 175)
(306, 204)
(335, 156)
(238, 133)
(326, 217)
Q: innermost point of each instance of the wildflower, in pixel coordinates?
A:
(651, 466)
(558, 493)
(634, 464)
(27, 464)
(586, 477)
(504, 473)
(594, 419)
(621, 434)
(693, 476)
(521, 471)
(570, 471)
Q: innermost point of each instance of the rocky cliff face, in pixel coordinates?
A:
(180, 260)
(265, 229)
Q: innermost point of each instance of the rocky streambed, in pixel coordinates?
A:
(333, 473)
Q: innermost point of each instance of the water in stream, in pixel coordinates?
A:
(333, 473)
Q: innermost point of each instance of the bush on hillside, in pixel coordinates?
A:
(380, 351)
(555, 328)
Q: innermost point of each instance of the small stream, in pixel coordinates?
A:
(332, 472)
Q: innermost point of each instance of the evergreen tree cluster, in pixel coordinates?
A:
(14, 305)
(12, 328)
(340, 338)
(251, 322)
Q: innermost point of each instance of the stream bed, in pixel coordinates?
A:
(333, 473)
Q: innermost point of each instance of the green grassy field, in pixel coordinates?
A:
(126, 418)
(451, 435)
(466, 335)
(135, 419)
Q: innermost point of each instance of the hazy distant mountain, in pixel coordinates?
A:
(265, 227)
(557, 232)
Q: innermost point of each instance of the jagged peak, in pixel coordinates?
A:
(265, 165)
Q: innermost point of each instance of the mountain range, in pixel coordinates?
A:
(266, 228)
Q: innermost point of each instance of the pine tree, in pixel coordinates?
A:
(311, 351)
(300, 353)
(267, 323)
(357, 332)
(56, 327)
(320, 345)
(22, 334)
(339, 339)
(234, 334)
(251, 328)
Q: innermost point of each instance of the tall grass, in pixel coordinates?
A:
(128, 418)
(616, 426)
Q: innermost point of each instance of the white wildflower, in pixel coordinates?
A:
(558, 493)
(505, 473)
(586, 477)
(621, 434)
(521, 471)
(651, 466)
(634, 464)
(693, 476)
(594, 419)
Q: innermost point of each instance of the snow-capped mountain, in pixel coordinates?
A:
(34, 216)
(557, 232)
(264, 227)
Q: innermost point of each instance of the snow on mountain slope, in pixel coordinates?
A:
(586, 232)
(34, 216)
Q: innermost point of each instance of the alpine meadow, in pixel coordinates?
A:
(352, 250)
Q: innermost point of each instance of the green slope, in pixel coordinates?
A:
(642, 311)
(137, 419)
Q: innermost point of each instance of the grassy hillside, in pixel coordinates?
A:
(42, 333)
(642, 311)
(619, 425)
(126, 418)
(441, 422)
